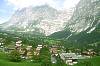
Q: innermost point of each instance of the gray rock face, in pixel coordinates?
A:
(43, 19)
(86, 16)
(84, 25)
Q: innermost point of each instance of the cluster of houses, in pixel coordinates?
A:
(25, 52)
(89, 53)
(72, 58)
(69, 58)
(54, 50)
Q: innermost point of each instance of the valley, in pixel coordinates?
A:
(45, 36)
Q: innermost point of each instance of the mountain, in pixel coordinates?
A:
(86, 16)
(84, 25)
(40, 19)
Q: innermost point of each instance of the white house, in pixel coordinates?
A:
(70, 58)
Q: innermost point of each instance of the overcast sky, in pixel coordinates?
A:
(8, 7)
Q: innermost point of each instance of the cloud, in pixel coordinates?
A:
(54, 3)
(13, 5)
(2, 20)
(70, 3)
(26, 3)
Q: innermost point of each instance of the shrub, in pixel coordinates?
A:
(36, 58)
(14, 56)
(46, 62)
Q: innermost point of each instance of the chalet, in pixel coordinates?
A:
(29, 48)
(29, 52)
(26, 53)
(54, 50)
(70, 58)
(23, 53)
(9, 48)
(29, 55)
(39, 47)
(18, 45)
(37, 50)
(2, 47)
(89, 53)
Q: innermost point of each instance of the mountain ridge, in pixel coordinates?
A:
(84, 25)
(43, 19)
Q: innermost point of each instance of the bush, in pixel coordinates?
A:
(46, 62)
(36, 59)
(14, 56)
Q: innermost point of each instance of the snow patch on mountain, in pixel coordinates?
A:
(43, 19)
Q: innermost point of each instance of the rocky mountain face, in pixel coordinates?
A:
(85, 17)
(86, 22)
(84, 26)
(41, 19)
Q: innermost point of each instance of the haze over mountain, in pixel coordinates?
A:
(42, 19)
(84, 26)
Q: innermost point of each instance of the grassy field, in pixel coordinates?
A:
(95, 61)
(5, 62)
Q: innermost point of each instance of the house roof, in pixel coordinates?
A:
(70, 56)
(40, 45)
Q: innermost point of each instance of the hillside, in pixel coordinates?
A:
(84, 26)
